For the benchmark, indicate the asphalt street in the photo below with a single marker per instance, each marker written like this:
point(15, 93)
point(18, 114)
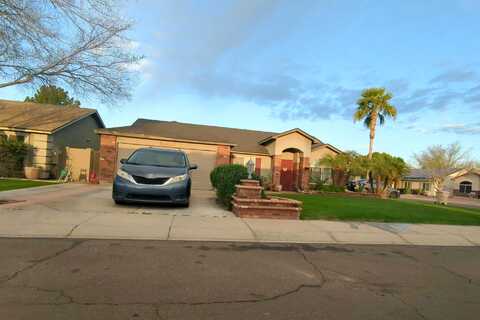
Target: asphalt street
point(125, 279)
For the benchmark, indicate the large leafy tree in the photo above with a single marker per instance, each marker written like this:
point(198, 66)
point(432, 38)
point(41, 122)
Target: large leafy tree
point(344, 165)
point(53, 95)
point(386, 170)
point(373, 108)
point(79, 44)
point(439, 161)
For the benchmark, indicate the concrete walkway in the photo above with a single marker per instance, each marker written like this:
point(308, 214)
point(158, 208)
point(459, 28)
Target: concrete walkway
point(82, 211)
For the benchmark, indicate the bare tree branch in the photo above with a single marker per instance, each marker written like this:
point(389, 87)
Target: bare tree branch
point(76, 43)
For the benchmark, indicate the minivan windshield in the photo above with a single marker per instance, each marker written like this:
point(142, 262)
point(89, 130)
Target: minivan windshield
point(159, 158)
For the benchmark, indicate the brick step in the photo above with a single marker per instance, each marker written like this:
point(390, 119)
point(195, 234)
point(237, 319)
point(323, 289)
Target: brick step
point(246, 182)
point(273, 202)
point(266, 212)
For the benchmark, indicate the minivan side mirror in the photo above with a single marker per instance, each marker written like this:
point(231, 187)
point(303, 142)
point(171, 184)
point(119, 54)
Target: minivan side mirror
point(193, 167)
point(123, 161)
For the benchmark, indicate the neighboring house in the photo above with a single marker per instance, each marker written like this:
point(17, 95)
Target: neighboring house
point(49, 129)
point(283, 158)
point(461, 182)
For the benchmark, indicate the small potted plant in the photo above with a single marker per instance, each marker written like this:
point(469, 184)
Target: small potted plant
point(32, 172)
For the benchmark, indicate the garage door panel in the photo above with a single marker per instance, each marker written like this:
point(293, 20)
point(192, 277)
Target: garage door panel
point(205, 160)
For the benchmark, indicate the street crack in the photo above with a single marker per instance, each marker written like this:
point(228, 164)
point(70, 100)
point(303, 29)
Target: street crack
point(35, 263)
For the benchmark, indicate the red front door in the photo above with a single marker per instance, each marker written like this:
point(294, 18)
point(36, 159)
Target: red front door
point(286, 175)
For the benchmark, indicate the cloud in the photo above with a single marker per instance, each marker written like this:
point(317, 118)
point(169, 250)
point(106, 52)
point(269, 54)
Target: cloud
point(472, 95)
point(461, 129)
point(224, 51)
point(398, 86)
point(453, 76)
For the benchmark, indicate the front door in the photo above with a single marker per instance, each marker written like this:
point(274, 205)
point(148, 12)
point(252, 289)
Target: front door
point(286, 175)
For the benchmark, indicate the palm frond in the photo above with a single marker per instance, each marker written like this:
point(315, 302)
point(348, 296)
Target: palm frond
point(367, 121)
point(381, 119)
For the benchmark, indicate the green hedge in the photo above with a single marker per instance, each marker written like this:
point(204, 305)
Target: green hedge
point(225, 177)
point(329, 188)
point(12, 157)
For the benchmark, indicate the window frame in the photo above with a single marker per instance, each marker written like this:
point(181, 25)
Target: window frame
point(465, 187)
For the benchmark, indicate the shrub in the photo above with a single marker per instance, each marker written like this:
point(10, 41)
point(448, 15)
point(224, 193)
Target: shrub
point(408, 190)
point(330, 188)
point(12, 157)
point(224, 178)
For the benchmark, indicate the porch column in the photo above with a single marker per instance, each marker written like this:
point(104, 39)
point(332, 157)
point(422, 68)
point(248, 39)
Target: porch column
point(223, 155)
point(108, 158)
point(276, 169)
point(258, 166)
point(295, 171)
point(304, 173)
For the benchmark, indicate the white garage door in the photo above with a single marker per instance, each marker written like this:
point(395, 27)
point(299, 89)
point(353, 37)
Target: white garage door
point(205, 160)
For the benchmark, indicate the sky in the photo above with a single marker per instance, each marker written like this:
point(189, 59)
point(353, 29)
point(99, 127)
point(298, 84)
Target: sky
point(275, 65)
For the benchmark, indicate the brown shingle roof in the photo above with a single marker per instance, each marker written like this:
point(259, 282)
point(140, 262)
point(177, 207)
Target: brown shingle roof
point(40, 117)
point(242, 139)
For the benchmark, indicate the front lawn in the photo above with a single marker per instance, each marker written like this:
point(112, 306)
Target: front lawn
point(340, 207)
point(11, 184)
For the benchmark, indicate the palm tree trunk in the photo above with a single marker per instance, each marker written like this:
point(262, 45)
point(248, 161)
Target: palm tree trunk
point(373, 126)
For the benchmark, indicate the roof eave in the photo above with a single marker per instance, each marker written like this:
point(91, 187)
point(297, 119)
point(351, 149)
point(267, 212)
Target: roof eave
point(252, 153)
point(144, 136)
point(298, 130)
point(327, 145)
point(25, 130)
point(93, 112)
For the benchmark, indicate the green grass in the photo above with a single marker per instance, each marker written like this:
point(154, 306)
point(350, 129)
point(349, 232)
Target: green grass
point(12, 184)
point(338, 207)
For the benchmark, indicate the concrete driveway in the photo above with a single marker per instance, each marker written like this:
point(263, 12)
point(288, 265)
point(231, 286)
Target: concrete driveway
point(87, 199)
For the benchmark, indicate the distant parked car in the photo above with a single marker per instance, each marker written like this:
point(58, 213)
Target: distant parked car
point(154, 175)
point(356, 185)
point(394, 193)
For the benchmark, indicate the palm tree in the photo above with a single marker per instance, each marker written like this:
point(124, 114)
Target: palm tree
point(374, 106)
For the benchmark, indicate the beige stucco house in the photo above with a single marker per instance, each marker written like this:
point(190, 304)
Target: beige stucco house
point(460, 182)
point(49, 129)
point(285, 159)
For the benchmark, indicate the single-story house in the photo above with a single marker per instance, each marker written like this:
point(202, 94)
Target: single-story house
point(49, 129)
point(282, 158)
point(461, 182)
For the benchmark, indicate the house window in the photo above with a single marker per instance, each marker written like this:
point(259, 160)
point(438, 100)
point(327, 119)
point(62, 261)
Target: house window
point(3, 137)
point(326, 174)
point(20, 138)
point(426, 186)
point(465, 187)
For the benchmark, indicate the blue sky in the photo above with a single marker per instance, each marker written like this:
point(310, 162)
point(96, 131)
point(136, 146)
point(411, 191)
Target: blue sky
point(273, 65)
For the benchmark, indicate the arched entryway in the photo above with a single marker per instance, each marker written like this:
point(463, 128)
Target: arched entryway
point(290, 172)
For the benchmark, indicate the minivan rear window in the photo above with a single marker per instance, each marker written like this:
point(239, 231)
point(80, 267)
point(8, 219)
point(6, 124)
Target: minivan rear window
point(157, 158)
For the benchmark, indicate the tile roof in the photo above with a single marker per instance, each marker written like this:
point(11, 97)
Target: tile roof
point(422, 174)
point(242, 139)
point(40, 117)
